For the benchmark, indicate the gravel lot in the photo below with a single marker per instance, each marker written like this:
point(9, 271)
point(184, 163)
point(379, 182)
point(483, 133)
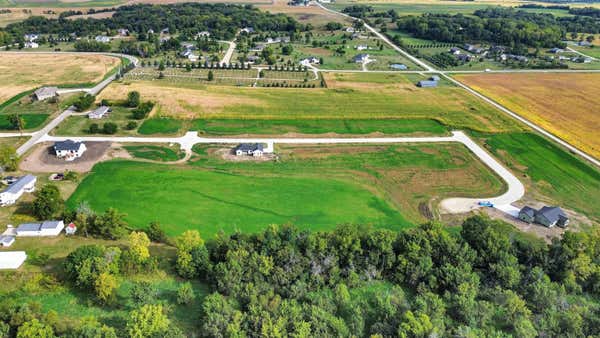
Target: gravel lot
point(42, 159)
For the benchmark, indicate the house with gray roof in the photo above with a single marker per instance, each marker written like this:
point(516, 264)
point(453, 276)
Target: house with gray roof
point(527, 214)
point(6, 241)
point(551, 216)
point(250, 149)
point(13, 192)
point(69, 150)
point(45, 93)
point(45, 228)
point(360, 58)
point(547, 216)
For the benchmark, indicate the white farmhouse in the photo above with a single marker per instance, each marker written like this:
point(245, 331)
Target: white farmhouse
point(69, 150)
point(12, 193)
point(46, 228)
point(12, 259)
point(98, 113)
point(31, 44)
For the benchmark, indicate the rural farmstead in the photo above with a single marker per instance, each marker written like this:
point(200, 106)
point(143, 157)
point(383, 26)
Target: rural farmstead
point(343, 168)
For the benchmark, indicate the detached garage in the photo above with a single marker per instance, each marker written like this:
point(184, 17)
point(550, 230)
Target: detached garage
point(12, 259)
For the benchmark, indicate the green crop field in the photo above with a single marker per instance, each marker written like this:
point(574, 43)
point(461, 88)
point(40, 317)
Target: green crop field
point(552, 172)
point(311, 187)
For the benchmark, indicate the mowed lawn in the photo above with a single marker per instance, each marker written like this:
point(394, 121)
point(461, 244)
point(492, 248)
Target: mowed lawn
point(20, 72)
point(312, 187)
point(554, 175)
point(357, 97)
point(564, 104)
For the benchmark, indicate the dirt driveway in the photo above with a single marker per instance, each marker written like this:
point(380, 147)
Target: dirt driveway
point(43, 160)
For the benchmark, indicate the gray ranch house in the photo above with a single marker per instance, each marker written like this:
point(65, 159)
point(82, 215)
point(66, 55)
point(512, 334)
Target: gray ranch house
point(547, 216)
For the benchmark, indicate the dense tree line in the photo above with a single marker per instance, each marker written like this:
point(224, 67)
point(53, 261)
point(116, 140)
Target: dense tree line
point(586, 11)
point(222, 20)
point(502, 26)
point(484, 282)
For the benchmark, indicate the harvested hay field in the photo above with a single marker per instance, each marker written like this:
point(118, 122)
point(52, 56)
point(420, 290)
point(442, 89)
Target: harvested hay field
point(564, 104)
point(50, 69)
point(449, 105)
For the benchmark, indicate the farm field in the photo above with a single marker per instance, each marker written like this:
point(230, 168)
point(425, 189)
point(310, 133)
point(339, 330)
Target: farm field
point(560, 103)
point(552, 175)
point(50, 69)
point(348, 96)
point(311, 187)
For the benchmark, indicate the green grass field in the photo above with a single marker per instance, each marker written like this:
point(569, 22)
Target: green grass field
point(314, 188)
point(341, 126)
point(555, 174)
point(160, 125)
point(154, 153)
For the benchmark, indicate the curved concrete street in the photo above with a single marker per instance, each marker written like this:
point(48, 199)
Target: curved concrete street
point(515, 191)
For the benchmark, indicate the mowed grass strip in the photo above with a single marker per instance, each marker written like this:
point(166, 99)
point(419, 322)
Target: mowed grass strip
point(306, 126)
point(154, 153)
point(397, 98)
point(564, 104)
point(554, 173)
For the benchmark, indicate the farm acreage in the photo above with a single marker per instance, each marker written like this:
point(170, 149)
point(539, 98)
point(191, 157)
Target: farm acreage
point(564, 104)
point(348, 97)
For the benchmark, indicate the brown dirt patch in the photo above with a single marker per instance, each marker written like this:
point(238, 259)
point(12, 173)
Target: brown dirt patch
point(564, 104)
point(183, 103)
point(43, 160)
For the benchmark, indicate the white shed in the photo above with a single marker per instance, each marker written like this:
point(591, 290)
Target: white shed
point(46, 228)
point(12, 259)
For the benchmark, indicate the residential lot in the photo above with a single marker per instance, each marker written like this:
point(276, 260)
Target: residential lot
point(312, 187)
point(561, 103)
